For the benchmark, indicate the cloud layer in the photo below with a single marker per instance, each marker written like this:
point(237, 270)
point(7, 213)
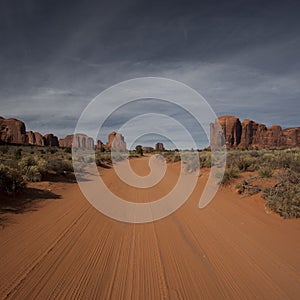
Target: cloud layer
point(56, 56)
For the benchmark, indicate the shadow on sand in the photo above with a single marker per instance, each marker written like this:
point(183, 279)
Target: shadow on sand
point(65, 178)
point(27, 200)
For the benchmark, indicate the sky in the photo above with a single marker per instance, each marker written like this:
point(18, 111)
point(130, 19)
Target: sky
point(56, 56)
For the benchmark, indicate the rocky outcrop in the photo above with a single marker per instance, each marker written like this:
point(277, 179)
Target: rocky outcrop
point(273, 137)
point(35, 138)
point(292, 137)
point(100, 146)
point(228, 131)
point(232, 130)
point(249, 129)
point(66, 141)
point(217, 139)
point(12, 131)
point(115, 142)
point(77, 141)
point(51, 140)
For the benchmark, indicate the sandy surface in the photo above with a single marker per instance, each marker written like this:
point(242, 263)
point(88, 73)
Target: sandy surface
point(65, 249)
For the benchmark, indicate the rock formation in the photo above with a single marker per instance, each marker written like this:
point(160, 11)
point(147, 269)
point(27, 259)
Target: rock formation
point(35, 138)
point(230, 132)
point(115, 142)
point(66, 141)
point(100, 146)
point(51, 140)
point(292, 137)
point(77, 141)
point(159, 147)
point(12, 131)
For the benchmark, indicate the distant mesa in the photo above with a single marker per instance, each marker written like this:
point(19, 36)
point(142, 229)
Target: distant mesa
point(78, 140)
point(116, 142)
point(229, 131)
point(226, 131)
point(159, 147)
point(13, 131)
point(35, 138)
point(51, 140)
point(147, 149)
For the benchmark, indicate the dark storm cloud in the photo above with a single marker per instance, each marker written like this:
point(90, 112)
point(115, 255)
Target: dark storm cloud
point(56, 56)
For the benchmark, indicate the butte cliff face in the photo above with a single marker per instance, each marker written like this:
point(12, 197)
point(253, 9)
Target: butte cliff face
point(51, 140)
point(13, 131)
point(35, 138)
point(77, 141)
point(116, 142)
point(100, 146)
point(251, 134)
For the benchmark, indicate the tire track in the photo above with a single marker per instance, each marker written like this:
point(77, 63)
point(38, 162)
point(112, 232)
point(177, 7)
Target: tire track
point(18, 281)
point(229, 250)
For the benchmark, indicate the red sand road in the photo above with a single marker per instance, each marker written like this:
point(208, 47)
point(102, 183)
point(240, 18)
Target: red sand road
point(66, 249)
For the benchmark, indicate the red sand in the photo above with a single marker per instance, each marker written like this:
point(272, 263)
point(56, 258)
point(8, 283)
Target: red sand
point(232, 249)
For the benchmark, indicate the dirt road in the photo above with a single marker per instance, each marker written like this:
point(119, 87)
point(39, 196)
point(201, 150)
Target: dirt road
point(66, 249)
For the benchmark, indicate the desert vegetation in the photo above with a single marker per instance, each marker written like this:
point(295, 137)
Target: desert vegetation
point(273, 172)
point(22, 164)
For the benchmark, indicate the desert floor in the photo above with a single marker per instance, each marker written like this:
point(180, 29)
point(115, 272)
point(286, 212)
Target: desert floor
point(60, 247)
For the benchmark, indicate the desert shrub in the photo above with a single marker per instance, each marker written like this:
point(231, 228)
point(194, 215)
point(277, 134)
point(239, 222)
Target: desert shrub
point(246, 187)
point(52, 150)
point(90, 159)
point(168, 156)
point(229, 176)
point(133, 154)
point(4, 149)
point(245, 164)
point(18, 154)
point(11, 180)
point(205, 160)
point(284, 197)
point(68, 150)
point(172, 156)
point(102, 164)
point(33, 174)
point(176, 157)
point(284, 160)
point(105, 157)
point(118, 156)
point(265, 172)
point(190, 159)
point(60, 166)
point(295, 165)
point(32, 168)
point(219, 159)
point(139, 150)
point(254, 153)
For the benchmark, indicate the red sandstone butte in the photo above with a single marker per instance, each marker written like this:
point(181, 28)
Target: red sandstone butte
point(77, 141)
point(249, 133)
point(116, 142)
point(12, 131)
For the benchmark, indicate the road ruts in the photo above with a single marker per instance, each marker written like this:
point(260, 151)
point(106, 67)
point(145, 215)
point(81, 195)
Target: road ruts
point(232, 249)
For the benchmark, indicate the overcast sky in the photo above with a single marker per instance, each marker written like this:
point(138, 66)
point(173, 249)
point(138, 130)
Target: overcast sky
point(57, 55)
